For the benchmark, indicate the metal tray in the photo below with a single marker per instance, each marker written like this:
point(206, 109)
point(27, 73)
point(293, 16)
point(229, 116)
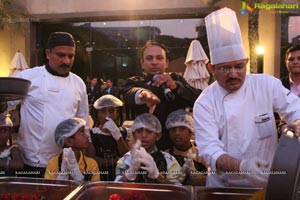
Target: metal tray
point(284, 181)
point(102, 191)
point(226, 193)
point(12, 88)
point(50, 188)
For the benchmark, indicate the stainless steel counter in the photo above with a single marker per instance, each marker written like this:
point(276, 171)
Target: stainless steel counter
point(49, 188)
point(72, 190)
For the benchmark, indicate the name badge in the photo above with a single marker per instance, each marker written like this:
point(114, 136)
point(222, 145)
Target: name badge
point(52, 89)
point(262, 118)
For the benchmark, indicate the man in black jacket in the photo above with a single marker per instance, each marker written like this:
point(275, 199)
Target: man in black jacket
point(94, 92)
point(111, 89)
point(147, 93)
point(114, 90)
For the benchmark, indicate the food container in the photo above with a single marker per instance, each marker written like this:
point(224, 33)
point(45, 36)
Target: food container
point(12, 88)
point(226, 193)
point(49, 188)
point(102, 191)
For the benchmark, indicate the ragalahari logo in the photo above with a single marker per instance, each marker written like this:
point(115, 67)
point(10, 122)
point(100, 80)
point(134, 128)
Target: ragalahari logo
point(246, 8)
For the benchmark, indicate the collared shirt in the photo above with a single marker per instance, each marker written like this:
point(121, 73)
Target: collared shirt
point(241, 123)
point(295, 88)
point(50, 100)
point(52, 170)
point(108, 90)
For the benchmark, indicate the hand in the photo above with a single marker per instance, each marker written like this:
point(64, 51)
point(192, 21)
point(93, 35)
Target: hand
point(135, 147)
point(64, 172)
point(131, 173)
point(164, 79)
point(188, 166)
point(64, 165)
point(252, 170)
point(5, 153)
point(149, 164)
point(112, 128)
point(73, 166)
point(294, 127)
point(150, 99)
point(68, 154)
point(136, 156)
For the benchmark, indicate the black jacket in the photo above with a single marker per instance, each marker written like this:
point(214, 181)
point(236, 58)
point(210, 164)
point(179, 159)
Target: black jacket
point(185, 96)
point(94, 94)
point(113, 91)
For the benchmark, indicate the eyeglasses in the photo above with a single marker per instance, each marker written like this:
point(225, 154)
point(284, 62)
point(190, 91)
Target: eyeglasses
point(228, 69)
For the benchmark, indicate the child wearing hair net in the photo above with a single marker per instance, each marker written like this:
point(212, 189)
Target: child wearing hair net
point(144, 163)
point(180, 125)
point(110, 142)
point(72, 164)
point(10, 155)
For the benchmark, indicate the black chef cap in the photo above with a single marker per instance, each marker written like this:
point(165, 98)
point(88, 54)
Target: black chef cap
point(60, 39)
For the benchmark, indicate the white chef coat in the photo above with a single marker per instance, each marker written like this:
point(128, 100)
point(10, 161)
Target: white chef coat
point(50, 100)
point(241, 123)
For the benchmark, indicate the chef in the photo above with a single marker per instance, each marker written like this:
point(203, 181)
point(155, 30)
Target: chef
point(55, 94)
point(234, 123)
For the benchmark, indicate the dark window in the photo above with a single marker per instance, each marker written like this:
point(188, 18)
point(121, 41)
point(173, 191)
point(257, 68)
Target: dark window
point(111, 49)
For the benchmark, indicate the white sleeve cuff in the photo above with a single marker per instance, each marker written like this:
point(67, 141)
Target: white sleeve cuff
point(118, 178)
point(214, 159)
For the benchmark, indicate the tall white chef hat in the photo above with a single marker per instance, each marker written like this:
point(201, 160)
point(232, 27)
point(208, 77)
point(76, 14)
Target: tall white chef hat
point(224, 36)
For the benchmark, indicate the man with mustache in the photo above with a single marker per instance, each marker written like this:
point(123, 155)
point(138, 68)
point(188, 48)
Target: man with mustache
point(55, 94)
point(146, 94)
point(234, 123)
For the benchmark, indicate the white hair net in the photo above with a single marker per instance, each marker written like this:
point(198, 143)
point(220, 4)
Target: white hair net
point(107, 101)
point(66, 129)
point(180, 118)
point(147, 121)
point(5, 120)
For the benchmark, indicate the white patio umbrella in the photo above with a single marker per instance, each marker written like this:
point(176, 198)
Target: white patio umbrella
point(17, 64)
point(196, 73)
